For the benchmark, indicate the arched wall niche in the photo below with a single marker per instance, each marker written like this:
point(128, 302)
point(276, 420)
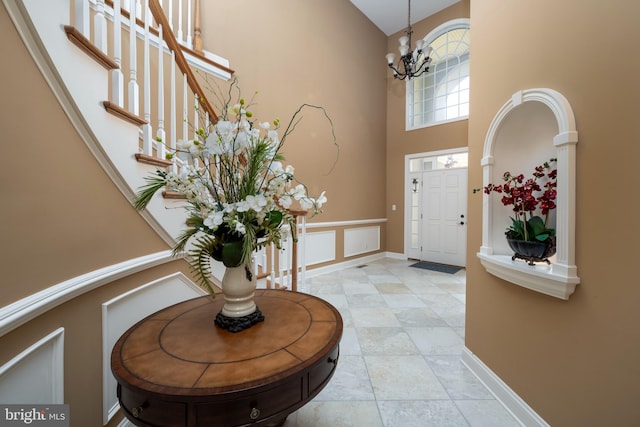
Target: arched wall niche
point(531, 127)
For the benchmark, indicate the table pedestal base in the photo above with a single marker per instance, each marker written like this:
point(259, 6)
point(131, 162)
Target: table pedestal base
point(237, 324)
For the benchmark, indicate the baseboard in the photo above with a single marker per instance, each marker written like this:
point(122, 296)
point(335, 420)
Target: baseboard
point(522, 412)
point(125, 423)
point(345, 264)
point(396, 255)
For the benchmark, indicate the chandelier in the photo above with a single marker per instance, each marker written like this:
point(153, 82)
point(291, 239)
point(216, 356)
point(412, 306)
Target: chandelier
point(411, 63)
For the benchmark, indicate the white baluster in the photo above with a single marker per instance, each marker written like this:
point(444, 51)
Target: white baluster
point(100, 27)
point(285, 264)
point(117, 78)
point(281, 269)
point(147, 132)
point(185, 113)
point(171, 14)
point(172, 113)
point(133, 89)
point(179, 35)
point(195, 117)
point(189, 25)
point(82, 23)
point(138, 9)
point(272, 275)
point(161, 135)
point(302, 239)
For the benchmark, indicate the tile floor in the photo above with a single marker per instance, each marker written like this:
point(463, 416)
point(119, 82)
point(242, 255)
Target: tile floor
point(400, 353)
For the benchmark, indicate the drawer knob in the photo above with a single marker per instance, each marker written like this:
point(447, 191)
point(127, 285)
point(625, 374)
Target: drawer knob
point(136, 411)
point(255, 413)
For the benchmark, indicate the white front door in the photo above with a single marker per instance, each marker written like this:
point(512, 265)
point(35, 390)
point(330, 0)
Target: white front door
point(444, 216)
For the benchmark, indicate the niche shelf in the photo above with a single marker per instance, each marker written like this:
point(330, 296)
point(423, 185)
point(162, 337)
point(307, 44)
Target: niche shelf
point(532, 126)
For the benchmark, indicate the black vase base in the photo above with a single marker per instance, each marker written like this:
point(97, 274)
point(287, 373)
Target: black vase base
point(237, 324)
point(531, 260)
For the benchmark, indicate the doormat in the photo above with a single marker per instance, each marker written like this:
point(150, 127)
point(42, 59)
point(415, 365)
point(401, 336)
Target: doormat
point(442, 268)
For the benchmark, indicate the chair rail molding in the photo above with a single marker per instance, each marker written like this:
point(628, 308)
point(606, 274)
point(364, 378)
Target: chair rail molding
point(28, 308)
point(560, 278)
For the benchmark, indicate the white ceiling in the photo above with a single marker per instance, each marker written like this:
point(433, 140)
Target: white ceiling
point(391, 15)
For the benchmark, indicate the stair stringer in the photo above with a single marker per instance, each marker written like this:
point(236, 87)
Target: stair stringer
point(81, 85)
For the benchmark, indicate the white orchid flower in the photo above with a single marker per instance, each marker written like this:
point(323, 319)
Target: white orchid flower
point(256, 202)
point(214, 219)
point(322, 199)
point(299, 192)
point(276, 168)
point(273, 137)
point(285, 201)
point(240, 228)
point(242, 206)
point(306, 203)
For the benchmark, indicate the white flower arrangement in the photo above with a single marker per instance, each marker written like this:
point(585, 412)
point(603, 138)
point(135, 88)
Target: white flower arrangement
point(239, 192)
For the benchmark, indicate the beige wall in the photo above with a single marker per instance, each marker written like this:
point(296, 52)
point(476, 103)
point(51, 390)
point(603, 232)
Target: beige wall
point(575, 362)
point(325, 53)
point(399, 141)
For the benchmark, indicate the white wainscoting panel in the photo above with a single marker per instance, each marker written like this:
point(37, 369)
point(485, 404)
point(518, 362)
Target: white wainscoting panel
point(122, 312)
point(36, 375)
point(320, 246)
point(361, 240)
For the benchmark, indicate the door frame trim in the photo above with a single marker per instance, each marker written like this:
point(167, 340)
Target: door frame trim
point(407, 188)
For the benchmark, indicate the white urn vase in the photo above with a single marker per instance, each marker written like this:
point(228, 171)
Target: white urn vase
point(239, 311)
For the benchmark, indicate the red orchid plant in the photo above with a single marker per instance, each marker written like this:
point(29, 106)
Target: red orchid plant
point(526, 196)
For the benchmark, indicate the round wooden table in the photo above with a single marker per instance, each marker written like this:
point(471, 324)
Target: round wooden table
point(176, 368)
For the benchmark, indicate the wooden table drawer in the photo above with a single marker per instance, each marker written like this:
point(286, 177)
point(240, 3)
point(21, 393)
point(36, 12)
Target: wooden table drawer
point(251, 408)
point(150, 411)
point(320, 373)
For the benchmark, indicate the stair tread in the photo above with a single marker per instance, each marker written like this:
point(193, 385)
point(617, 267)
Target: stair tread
point(77, 38)
point(145, 158)
point(118, 111)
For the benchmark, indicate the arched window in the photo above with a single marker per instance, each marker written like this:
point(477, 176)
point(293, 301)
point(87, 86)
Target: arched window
point(442, 94)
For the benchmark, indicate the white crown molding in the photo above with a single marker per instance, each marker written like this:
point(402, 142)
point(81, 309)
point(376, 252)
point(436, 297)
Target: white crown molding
point(26, 309)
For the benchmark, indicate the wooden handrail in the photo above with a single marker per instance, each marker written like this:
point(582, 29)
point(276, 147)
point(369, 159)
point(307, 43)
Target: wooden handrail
point(197, 50)
point(172, 43)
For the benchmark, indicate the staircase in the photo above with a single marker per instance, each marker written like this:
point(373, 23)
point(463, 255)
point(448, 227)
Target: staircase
point(125, 92)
